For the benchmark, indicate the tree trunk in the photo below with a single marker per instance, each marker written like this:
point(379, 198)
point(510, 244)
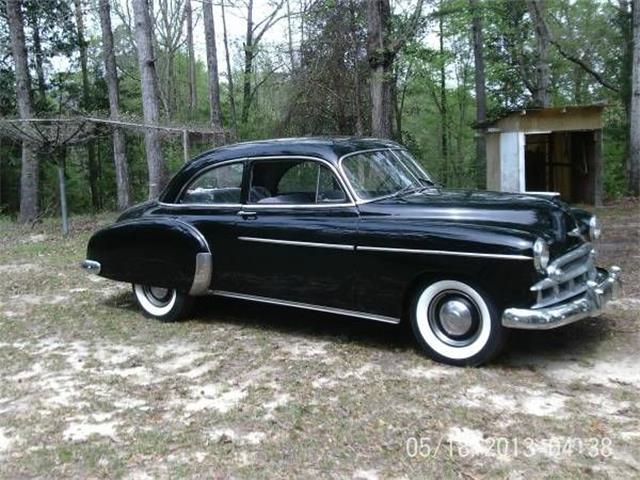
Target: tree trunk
point(232, 100)
point(481, 95)
point(150, 99)
point(444, 111)
point(212, 65)
point(111, 77)
point(537, 10)
point(248, 64)
point(193, 96)
point(96, 200)
point(29, 171)
point(396, 113)
point(356, 75)
point(634, 123)
point(380, 61)
point(38, 58)
point(290, 37)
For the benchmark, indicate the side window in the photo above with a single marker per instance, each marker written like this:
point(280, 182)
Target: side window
point(300, 178)
point(219, 185)
point(294, 182)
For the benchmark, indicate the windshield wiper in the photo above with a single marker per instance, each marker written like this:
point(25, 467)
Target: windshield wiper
point(406, 190)
point(427, 181)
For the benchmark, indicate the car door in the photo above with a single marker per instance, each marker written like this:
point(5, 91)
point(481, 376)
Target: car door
point(297, 234)
point(211, 201)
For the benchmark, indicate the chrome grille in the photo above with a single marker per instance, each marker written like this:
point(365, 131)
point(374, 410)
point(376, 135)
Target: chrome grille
point(567, 276)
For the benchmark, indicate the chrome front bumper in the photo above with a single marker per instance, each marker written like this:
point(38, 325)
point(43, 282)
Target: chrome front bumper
point(606, 287)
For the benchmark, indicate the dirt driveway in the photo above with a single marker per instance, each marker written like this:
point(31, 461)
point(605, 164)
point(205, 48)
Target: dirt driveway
point(90, 388)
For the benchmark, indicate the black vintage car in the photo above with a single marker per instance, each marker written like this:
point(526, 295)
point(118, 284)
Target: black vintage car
point(357, 227)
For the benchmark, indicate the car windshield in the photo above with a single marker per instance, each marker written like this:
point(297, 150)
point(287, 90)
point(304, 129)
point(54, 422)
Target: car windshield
point(384, 172)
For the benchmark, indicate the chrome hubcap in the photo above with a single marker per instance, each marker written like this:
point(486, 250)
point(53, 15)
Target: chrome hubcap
point(158, 292)
point(455, 317)
point(158, 296)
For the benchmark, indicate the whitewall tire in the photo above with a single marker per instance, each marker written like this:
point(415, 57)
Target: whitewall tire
point(456, 323)
point(164, 304)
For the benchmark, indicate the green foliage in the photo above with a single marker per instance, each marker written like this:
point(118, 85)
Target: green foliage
point(326, 90)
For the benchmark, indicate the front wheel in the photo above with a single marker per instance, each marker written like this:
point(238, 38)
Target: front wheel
point(455, 323)
point(164, 304)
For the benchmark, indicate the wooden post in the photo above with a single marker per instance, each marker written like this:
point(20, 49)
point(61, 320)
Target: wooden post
point(63, 193)
point(185, 145)
point(597, 171)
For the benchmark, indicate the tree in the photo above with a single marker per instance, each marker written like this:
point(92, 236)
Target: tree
point(253, 37)
point(444, 110)
point(52, 33)
point(86, 104)
point(212, 65)
point(382, 48)
point(32, 16)
point(634, 121)
point(193, 96)
point(167, 32)
point(111, 77)
point(480, 90)
point(325, 88)
point(355, 46)
point(158, 173)
point(29, 166)
point(537, 10)
point(232, 99)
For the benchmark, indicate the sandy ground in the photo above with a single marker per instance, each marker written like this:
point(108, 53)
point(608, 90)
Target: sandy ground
point(90, 388)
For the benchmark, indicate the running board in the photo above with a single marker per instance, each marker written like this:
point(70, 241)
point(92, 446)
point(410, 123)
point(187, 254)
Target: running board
point(307, 306)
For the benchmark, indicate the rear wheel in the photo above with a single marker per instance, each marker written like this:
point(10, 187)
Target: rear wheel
point(164, 304)
point(456, 323)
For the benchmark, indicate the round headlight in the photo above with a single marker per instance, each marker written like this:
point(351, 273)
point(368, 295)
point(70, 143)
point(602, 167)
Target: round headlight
point(540, 255)
point(594, 228)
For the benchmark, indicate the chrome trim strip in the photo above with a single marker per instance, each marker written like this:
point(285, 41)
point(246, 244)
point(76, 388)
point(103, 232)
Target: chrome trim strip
point(91, 266)
point(201, 205)
point(342, 246)
point(276, 206)
point(502, 256)
point(256, 205)
point(337, 246)
point(202, 275)
point(307, 306)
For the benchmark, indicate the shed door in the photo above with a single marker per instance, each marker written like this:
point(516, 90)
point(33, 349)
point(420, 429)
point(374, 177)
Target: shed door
point(562, 162)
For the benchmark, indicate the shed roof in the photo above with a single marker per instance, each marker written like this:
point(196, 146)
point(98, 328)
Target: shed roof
point(569, 117)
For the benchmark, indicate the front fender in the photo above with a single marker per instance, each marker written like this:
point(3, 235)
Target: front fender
point(162, 252)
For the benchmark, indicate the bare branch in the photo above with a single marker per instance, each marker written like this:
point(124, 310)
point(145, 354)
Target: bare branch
point(410, 31)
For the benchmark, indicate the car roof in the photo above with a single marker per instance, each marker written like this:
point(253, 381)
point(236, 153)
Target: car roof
point(328, 148)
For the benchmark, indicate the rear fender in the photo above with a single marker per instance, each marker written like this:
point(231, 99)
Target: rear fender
point(162, 252)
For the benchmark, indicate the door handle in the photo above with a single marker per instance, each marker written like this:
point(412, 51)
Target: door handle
point(247, 214)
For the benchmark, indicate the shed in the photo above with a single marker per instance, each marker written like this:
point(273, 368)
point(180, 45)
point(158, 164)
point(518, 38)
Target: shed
point(547, 150)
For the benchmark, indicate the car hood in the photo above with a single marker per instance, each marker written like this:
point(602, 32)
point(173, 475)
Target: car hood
point(545, 217)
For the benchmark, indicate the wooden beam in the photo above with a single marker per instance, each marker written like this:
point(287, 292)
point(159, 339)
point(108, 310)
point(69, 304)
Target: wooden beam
point(597, 163)
point(185, 145)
